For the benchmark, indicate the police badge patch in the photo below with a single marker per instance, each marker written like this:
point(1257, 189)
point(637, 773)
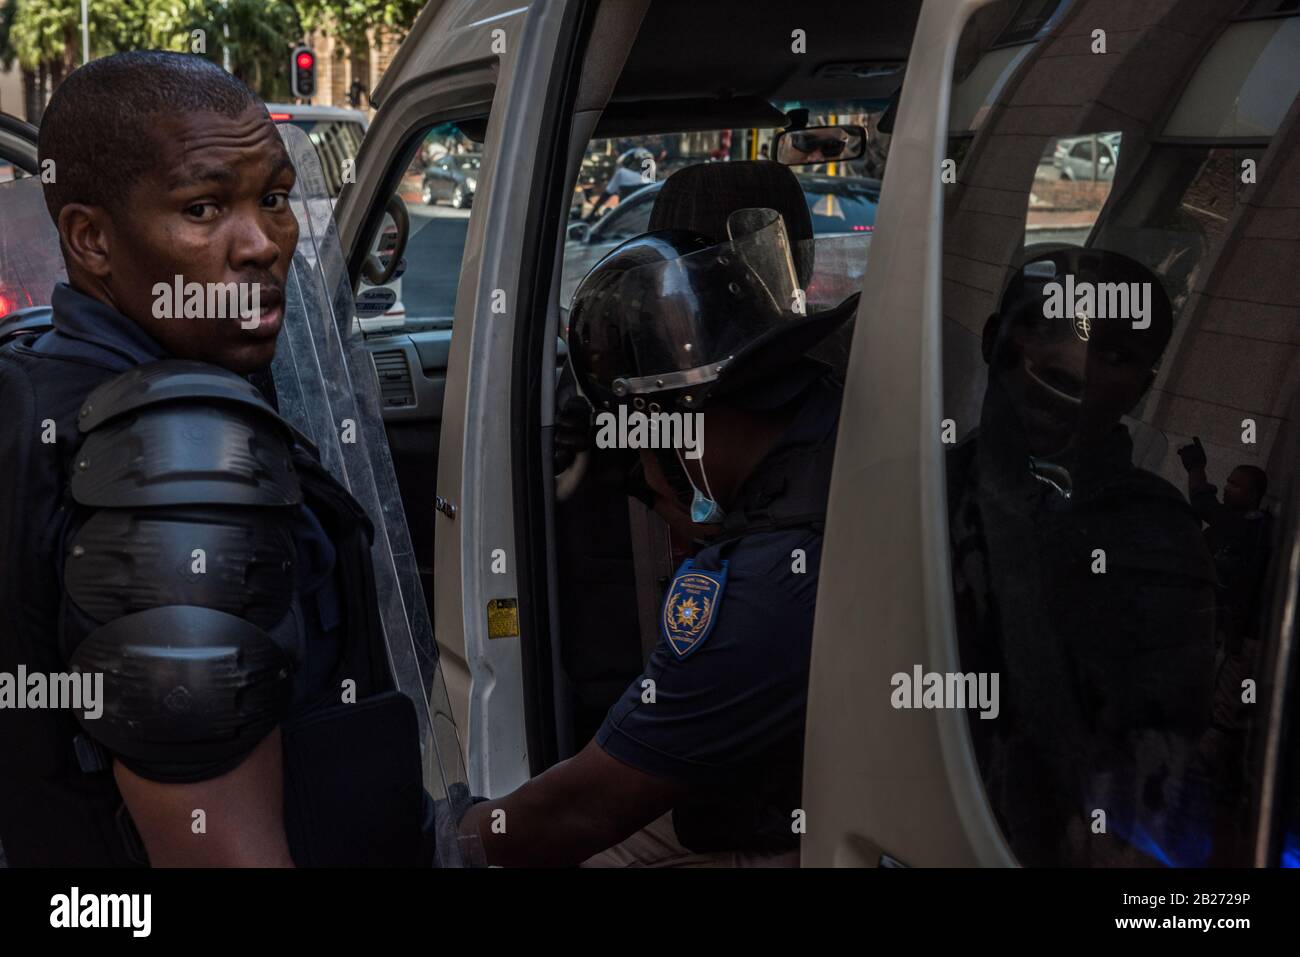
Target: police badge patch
point(691, 608)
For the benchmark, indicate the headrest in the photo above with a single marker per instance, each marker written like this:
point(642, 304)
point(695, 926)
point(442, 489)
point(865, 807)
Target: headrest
point(701, 197)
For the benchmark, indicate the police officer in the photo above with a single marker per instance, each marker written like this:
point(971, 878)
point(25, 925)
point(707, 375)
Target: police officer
point(678, 321)
point(1082, 580)
point(1237, 533)
point(169, 533)
point(635, 168)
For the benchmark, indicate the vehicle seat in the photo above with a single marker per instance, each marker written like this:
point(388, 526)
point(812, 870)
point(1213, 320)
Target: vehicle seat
point(701, 197)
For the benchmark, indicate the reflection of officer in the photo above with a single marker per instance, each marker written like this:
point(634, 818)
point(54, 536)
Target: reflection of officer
point(636, 168)
point(1238, 535)
point(713, 729)
point(172, 534)
point(1106, 669)
point(1237, 532)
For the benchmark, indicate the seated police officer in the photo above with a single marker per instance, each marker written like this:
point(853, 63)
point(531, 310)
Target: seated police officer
point(170, 532)
point(678, 322)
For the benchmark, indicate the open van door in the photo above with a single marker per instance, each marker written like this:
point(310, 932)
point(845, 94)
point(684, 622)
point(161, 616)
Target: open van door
point(479, 79)
point(1145, 706)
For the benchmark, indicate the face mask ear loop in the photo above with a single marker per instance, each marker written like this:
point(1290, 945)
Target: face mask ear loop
point(703, 474)
point(685, 470)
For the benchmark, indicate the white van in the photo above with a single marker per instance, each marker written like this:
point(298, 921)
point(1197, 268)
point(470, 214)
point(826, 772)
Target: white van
point(1079, 588)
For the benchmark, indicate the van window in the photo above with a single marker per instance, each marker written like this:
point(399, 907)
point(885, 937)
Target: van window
point(438, 189)
point(614, 197)
point(1240, 88)
point(1121, 362)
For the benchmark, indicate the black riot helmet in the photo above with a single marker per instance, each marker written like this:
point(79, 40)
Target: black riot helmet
point(635, 159)
point(671, 317)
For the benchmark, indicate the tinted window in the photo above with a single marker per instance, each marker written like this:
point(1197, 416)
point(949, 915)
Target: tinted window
point(1120, 378)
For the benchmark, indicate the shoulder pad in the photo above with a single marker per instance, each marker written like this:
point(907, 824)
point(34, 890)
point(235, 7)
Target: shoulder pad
point(236, 560)
point(187, 692)
point(182, 433)
point(168, 380)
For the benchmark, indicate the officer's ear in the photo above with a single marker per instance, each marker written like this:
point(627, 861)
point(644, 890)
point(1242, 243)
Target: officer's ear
point(989, 340)
point(83, 237)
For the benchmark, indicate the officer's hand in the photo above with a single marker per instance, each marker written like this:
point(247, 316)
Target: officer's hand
point(1193, 455)
point(456, 849)
point(572, 428)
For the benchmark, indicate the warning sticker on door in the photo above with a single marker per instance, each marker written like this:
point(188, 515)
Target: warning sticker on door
point(503, 618)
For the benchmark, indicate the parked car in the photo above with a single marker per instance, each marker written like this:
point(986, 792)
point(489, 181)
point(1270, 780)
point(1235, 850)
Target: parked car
point(335, 132)
point(453, 177)
point(1074, 157)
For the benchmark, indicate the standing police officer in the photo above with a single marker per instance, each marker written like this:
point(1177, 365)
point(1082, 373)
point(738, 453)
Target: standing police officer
point(176, 536)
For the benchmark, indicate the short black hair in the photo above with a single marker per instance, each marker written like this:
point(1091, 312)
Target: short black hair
point(99, 125)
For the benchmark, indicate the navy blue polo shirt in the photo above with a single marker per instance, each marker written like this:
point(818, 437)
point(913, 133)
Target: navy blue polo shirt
point(728, 719)
point(86, 328)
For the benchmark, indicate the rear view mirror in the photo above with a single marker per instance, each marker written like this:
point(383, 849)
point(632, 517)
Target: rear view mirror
point(820, 144)
point(578, 232)
point(379, 269)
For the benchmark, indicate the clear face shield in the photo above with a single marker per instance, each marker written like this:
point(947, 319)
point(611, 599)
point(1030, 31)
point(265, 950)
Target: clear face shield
point(685, 319)
point(326, 389)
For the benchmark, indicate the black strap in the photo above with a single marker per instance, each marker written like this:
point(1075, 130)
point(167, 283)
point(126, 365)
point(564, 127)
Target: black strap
point(789, 492)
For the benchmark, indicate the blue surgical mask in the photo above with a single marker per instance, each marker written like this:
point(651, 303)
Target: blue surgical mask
point(704, 509)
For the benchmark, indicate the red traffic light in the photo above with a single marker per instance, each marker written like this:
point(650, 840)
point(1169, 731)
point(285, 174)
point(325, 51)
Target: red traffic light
point(302, 72)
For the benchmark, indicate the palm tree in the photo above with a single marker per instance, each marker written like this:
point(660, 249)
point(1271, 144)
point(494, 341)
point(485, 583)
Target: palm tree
point(260, 36)
point(45, 37)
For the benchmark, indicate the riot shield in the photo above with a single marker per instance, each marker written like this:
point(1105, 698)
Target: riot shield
point(326, 387)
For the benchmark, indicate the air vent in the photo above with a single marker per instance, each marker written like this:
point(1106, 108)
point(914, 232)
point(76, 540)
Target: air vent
point(394, 374)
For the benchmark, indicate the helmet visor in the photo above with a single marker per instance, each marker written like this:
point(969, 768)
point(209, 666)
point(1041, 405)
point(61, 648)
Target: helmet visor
point(684, 319)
